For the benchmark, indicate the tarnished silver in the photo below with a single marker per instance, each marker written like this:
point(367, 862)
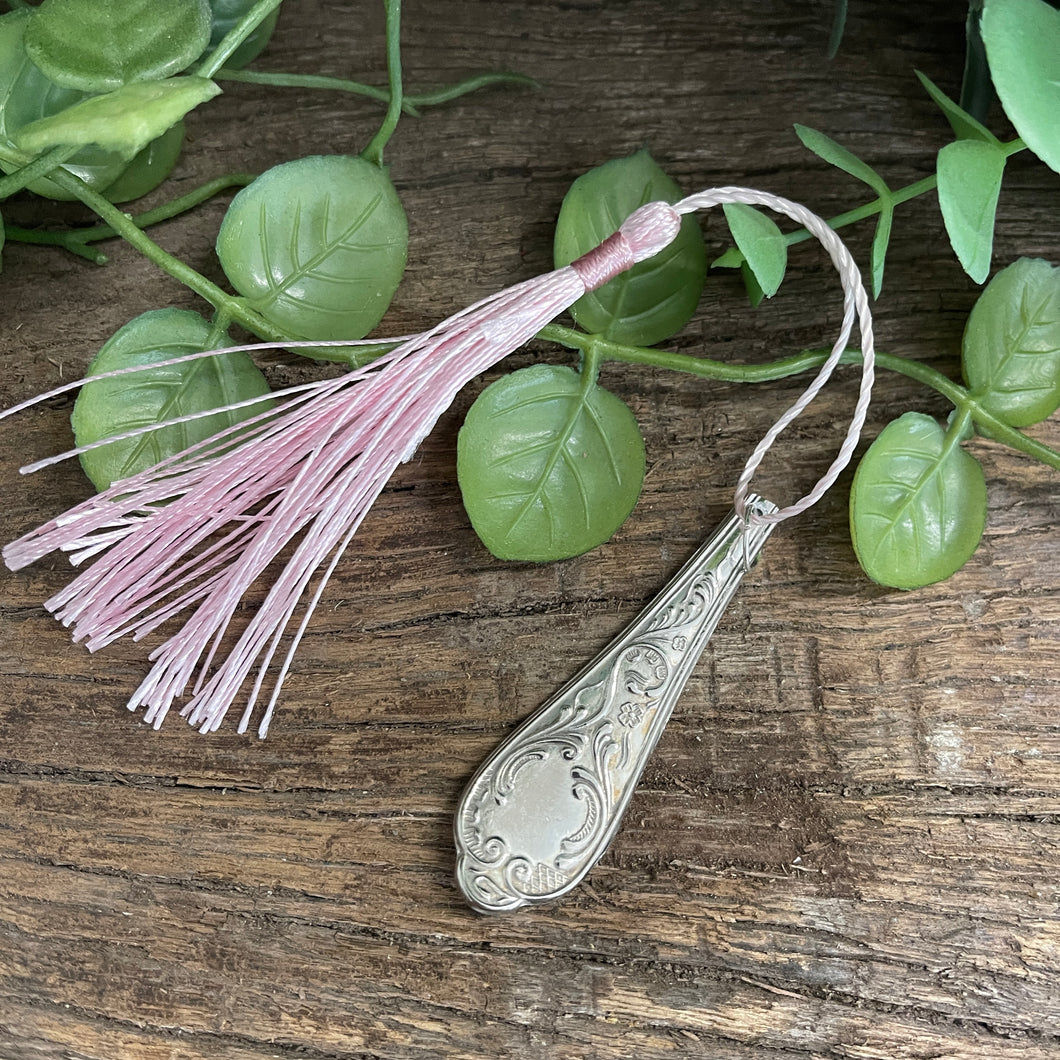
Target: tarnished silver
point(544, 806)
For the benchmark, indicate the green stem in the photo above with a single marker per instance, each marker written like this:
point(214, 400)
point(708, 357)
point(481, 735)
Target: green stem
point(870, 209)
point(235, 37)
point(1002, 432)
point(706, 368)
point(374, 151)
point(39, 167)
point(412, 103)
point(125, 227)
point(469, 84)
point(175, 207)
point(592, 358)
point(75, 240)
point(312, 81)
point(219, 326)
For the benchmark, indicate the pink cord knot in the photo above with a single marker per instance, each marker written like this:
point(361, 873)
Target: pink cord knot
point(642, 235)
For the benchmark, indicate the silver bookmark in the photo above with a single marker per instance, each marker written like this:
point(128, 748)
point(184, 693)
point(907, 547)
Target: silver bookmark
point(543, 808)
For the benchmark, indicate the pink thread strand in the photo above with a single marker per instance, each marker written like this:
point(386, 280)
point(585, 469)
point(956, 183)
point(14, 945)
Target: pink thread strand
point(193, 534)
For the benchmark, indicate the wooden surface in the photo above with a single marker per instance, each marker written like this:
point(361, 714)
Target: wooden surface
point(848, 842)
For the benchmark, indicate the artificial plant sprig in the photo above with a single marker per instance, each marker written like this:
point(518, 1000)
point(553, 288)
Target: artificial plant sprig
point(1022, 47)
point(314, 247)
point(936, 508)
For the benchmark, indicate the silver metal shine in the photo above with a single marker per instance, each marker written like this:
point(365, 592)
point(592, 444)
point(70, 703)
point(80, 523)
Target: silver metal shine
point(544, 807)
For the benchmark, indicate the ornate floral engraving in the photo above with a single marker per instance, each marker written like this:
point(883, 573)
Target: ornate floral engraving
point(542, 810)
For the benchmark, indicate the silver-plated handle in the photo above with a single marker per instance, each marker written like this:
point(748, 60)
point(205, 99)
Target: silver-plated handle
point(543, 808)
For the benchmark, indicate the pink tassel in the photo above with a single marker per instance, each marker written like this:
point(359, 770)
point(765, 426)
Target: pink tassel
point(198, 530)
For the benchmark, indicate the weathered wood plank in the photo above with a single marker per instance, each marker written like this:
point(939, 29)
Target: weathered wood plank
point(846, 845)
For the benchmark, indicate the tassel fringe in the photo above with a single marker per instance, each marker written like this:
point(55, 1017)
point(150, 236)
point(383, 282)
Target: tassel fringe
point(191, 535)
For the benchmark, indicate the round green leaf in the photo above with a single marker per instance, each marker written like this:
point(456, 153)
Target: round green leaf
point(124, 121)
point(918, 504)
point(549, 464)
point(317, 246)
point(654, 299)
point(969, 182)
point(1022, 39)
point(1011, 349)
point(100, 45)
point(26, 95)
point(150, 167)
point(110, 406)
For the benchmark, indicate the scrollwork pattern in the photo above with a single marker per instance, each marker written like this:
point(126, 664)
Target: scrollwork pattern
point(542, 810)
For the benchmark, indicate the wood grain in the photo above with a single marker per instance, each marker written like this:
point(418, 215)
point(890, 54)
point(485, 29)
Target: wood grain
point(848, 842)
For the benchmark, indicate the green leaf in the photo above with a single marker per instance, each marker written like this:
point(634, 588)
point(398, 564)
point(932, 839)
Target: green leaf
point(839, 25)
point(100, 45)
point(317, 246)
point(150, 167)
point(1011, 351)
point(732, 259)
point(880, 242)
point(1022, 39)
point(917, 505)
point(969, 182)
point(110, 406)
point(549, 464)
point(124, 121)
point(762, 244)
point(25, 95)
point(963, 124)
point(836, 155)
point(656, 298)
point(755, 294)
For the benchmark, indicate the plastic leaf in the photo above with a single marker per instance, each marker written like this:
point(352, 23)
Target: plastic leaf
point(835, 154)
point(549, 464)
point(150, 167)
point(110, 406)
point(961, 122)
point(732, 259)
point(969, 182)
point(755, 294)
point(880, 242)
point(1022, 39)
point(653, 300)
point(762, 244)
point(917, 505)
point(124, 121)
point(100, 45)
point(317, 246)
point(1011, 352)
point(839, 25)
point(26, 95)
